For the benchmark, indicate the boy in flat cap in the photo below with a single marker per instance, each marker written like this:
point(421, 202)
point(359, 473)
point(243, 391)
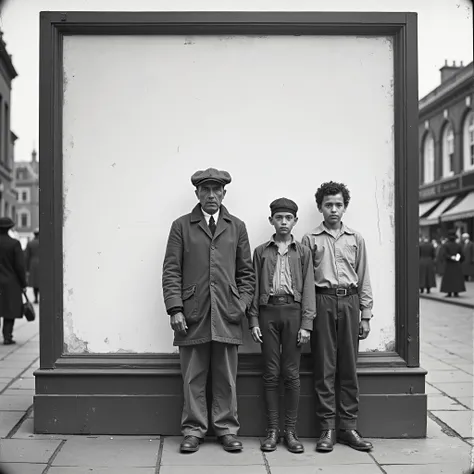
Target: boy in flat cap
point(282, 313)
point(208, 284)
point(344, 308)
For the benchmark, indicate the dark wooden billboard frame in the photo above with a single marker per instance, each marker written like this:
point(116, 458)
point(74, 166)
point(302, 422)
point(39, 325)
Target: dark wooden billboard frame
point(141, 393)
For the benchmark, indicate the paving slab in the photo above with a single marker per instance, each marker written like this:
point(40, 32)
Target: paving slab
point(8, 419)
point(454, 468)
point(339, 456)
point(422, 451)
point(456, 389)
point(106, 453)
point(9, 372)
point(13, 364)
point(22, 468)
point(339, 469)
point(26, 431)
point(211, 453)
point(27, 451)
point(467, 401)
point(435, 376)
point(459, 421)
point(260, 469)
point(101, 470)
point(15, 403)
point(23, 384)
point(442, 402)
point(16, 392)
point(429, 389)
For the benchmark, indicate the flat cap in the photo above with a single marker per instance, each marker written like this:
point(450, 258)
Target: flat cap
point(211, 174)
point(283, 205)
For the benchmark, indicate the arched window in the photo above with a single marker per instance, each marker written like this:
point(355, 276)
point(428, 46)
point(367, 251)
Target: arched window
point(428, 159)
point(468, 141)
point(448, 151)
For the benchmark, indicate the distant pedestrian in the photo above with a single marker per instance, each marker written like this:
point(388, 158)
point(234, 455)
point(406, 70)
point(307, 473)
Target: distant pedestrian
point(32, 264)
point(453, 279)
point(12, 279)
point(439, 261)
point(468, 252)
point(427, 265)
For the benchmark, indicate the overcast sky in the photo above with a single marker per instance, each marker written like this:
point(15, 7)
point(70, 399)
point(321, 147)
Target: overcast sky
point(444, 32)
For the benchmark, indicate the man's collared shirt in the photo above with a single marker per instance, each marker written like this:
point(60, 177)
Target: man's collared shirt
point(341, 262)
point(282, 283)
point(208, 216)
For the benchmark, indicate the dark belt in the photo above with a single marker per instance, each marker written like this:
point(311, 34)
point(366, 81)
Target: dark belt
point(281, 299)
point(336, 291)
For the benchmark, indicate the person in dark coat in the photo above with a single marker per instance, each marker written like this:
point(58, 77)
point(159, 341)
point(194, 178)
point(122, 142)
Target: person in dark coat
point(453, 279)
point(32, 264)
point(12, 280)
point(208, 285)
point(468, 252)
point(427, 265)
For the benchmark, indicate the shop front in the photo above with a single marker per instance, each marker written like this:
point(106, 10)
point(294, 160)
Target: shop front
point(131, 105)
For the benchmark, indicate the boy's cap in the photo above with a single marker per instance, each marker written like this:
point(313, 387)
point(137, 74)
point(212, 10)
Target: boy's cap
point(211, 174)
point(283, 205)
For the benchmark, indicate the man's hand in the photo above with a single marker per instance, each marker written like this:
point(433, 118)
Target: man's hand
point(303, 336)
point(364, 328)
point(178, 323)
point(256, 334)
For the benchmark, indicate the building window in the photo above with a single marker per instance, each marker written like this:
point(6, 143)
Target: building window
point(23, 219)
point(7, 209)
point(428, 159)
point(468, 141)
point(23, 195)
point(448, 151)
point(20, 174)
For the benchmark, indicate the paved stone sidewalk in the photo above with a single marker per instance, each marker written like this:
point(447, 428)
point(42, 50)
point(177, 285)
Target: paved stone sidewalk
point(446, 351)
point(464, 299)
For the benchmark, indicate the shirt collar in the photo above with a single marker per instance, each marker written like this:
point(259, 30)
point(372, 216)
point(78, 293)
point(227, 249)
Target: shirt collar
point(322, 228)
point(273, 242)
point(208, 216)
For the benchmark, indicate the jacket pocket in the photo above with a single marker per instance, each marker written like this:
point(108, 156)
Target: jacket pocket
point(190, 305)
point(235, 307)
point(350, 251)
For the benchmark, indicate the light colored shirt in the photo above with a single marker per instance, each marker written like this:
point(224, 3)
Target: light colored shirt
point(208, 216)
point(341, 262)
point(282, 283)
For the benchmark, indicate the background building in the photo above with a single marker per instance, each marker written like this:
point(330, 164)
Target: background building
point(7, 138)
point(446, 144)
point(27, 187)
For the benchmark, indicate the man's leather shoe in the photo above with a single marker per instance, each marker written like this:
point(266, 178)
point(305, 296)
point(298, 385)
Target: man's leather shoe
point(231, 443)
point(190, 444)
point(271, 441)
point(8, 342)
point(292, 442)
point(326, 441)
point(353, 439)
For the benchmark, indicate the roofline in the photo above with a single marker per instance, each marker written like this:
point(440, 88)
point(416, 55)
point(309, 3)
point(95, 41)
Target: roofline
point(7, 58)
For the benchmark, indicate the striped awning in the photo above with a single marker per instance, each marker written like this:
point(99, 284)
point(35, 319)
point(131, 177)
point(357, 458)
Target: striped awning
point(434, 216)
point(464, 209)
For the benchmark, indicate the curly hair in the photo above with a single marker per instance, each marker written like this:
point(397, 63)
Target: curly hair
point(332, 188)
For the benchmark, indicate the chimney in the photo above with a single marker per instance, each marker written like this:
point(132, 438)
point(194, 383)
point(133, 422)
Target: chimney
point(33, 156)
point(449, 71)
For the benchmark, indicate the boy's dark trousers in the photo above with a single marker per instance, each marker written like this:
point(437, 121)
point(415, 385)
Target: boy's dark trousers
point(334, 346)
point(279, 324)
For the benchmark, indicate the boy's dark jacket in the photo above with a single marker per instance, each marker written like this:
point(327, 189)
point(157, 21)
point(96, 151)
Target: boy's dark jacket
point(302, 276)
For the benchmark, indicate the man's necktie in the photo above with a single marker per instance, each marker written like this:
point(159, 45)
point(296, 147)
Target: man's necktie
point(212, 225)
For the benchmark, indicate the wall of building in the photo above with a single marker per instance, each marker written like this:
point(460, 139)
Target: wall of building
point(258, 107)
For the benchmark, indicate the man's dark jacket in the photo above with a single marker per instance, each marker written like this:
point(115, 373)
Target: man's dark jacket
point(212, 278)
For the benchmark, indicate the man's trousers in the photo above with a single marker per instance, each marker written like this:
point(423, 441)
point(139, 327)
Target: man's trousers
point(335, 346)
point(196, 361)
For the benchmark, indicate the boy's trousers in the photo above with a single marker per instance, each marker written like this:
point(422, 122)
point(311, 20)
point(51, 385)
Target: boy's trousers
point(335, 346)
point(196, 361)
point(279, 325)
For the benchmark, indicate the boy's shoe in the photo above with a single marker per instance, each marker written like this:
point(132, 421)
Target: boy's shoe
point(353, 439)
point(292, 442)
point(190, 444)
point(326, 441)
point(270, 442)
point(8, 342)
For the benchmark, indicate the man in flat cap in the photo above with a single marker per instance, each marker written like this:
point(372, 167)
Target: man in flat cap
point(208, 284)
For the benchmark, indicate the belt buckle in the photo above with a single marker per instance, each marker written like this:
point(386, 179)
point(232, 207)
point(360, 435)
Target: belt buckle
point(281, 299)
point(341, 292)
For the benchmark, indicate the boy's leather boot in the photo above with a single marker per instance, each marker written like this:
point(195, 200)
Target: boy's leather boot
point(292, 442)
point(326, 441)
point(271, 441)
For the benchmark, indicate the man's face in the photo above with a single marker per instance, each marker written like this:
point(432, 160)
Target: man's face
point(210, 195)
point(332, 208)
point(283, 222)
